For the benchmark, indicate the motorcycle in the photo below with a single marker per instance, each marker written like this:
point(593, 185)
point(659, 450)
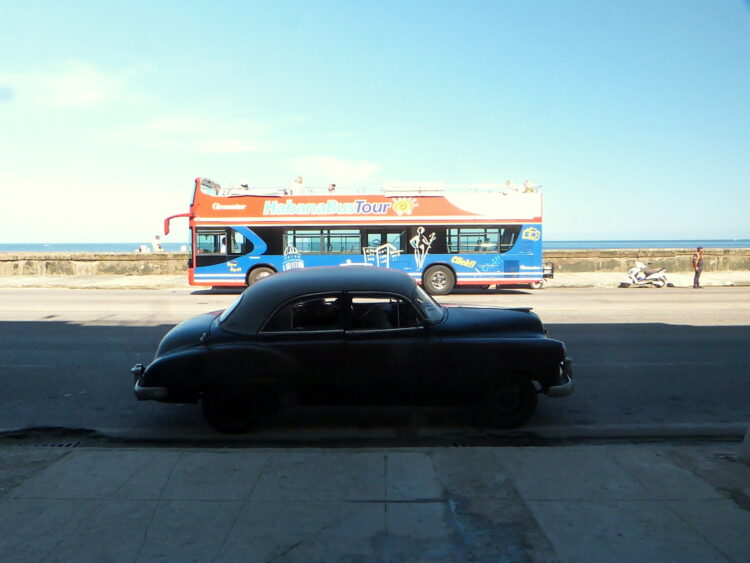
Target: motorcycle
point(642, 275)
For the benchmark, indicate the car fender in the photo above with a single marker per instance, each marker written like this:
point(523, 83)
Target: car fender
point(249, 365)
point(180, 370)
point(489, 357)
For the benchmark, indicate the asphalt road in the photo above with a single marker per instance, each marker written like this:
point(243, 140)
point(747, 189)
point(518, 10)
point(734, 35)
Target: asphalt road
point(648, 362)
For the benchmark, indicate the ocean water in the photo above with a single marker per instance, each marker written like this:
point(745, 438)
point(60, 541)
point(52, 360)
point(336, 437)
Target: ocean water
point(644, 244)
point(99, 247)
point(130, 247)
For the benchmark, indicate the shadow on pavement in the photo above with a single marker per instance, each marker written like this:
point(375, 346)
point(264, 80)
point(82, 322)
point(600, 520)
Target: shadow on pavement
point(502, 290)
point(218, 291)
point(68, 375)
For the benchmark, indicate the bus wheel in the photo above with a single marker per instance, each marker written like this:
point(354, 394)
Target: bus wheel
point(438, 280)
point(258, 274)
point(536, 285)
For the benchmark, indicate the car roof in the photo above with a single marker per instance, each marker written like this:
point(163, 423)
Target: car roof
point(260, 299)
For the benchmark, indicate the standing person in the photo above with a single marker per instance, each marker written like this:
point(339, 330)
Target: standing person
point(298, 186)
point(156, 244)
point(698, 267)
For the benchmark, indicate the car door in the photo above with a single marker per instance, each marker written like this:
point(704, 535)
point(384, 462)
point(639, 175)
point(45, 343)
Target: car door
point(308, 332)
point(391, 355)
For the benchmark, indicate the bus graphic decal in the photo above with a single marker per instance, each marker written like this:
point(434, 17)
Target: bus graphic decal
point(380, 256)
point(292, 259)
point(404, 205)
point(421, 245)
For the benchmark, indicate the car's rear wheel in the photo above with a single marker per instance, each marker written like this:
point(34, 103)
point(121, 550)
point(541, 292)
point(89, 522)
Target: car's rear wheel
point(510, 402)
point(439, 280)
point(230, 412)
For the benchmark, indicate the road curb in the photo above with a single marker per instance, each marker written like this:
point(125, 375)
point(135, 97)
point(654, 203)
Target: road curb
point(356, 437)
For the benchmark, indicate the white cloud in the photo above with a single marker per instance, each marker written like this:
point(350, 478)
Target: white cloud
point(227, 146)
point(332, 169)
point(77, 208)
point(415, 185)
point(74, 83)
point(176, 125)
point(210, 133)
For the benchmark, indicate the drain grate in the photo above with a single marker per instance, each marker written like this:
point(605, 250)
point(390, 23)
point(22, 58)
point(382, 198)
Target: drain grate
point(58, 445)
point(53, 445)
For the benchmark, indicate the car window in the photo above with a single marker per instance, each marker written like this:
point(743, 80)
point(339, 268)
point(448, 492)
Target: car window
point(311, 313)
point(228, 311)
point(382, 312)
point(430, 309)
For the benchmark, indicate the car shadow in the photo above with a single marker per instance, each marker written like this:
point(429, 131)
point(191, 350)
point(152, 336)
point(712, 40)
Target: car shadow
point(492, 290)
point(218, 291)
point(70, 375)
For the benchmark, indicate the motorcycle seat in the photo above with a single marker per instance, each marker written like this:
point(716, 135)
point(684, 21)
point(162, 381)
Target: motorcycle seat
point(652, 271)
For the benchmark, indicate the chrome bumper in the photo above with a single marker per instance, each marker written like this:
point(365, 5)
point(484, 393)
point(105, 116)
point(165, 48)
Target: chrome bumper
point(565, 388)
point(146, 393)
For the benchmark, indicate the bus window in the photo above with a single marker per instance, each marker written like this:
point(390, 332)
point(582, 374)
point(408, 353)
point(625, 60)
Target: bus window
point(343, 241)
point(482, 239)
point(376, 238)
point(211, 242)
point(324, 241)
point(239, 244)
point(306, 241)
point(509, 236)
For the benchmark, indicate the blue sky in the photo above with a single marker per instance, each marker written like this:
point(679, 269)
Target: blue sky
point(634, 116)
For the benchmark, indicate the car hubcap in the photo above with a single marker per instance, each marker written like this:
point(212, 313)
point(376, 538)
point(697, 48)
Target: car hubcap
point(507, 400)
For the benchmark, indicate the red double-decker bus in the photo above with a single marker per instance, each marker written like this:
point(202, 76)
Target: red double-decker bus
point(442, 238)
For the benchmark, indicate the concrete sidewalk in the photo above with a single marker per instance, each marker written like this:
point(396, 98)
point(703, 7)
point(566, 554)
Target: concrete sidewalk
point(578, 279)
point(626, 502)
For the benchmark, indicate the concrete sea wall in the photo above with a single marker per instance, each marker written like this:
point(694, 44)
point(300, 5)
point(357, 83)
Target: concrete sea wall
point(91, 264)
point(566, 261)
point(673, 259)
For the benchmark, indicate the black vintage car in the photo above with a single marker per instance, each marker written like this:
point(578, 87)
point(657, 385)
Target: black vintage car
point(354, 335)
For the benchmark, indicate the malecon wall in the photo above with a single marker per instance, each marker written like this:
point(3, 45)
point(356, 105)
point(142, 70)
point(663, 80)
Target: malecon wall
point(91, 264)
point(673, 259)
point(567, 261)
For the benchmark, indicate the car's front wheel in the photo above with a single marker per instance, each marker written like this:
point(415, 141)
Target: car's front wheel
point(230, 412)
point(510, 402)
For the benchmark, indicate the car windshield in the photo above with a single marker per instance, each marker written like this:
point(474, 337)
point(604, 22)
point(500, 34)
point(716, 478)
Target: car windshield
point(430, 309)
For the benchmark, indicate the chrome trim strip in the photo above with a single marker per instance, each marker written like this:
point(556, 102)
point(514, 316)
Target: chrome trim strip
point(566, 375)
point(150, 393)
